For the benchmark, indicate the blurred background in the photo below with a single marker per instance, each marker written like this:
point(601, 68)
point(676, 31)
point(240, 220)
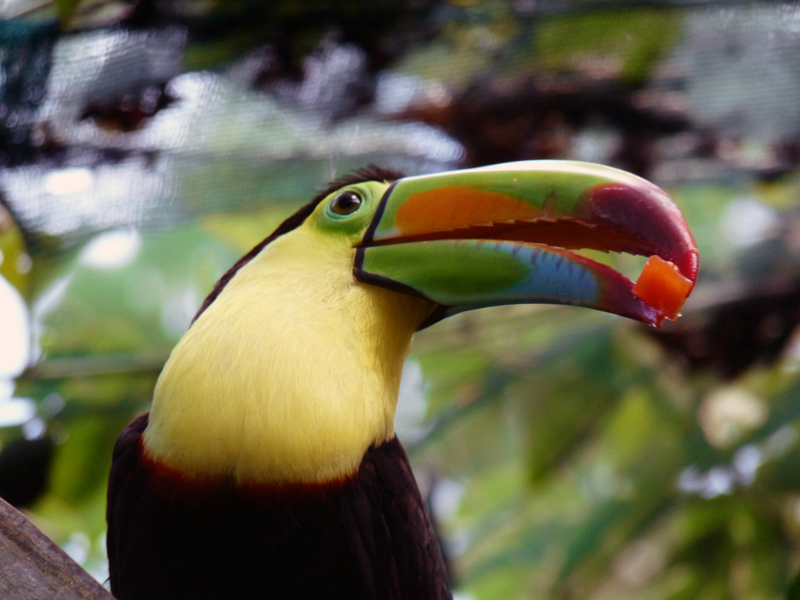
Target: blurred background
point(145, 145)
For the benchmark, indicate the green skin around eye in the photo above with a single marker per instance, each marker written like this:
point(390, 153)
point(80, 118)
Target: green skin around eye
point(355, 223)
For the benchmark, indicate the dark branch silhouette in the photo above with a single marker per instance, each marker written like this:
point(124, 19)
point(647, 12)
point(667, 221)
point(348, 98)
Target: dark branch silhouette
point(33, 567)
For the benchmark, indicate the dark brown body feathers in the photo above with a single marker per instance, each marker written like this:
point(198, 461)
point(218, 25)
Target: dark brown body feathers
point(366, 537)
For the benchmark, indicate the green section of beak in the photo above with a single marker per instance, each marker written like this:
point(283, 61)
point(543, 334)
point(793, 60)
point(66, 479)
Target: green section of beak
point(463, 272)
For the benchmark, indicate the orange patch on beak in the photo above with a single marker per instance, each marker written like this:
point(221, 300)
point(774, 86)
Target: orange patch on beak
point(457, 207)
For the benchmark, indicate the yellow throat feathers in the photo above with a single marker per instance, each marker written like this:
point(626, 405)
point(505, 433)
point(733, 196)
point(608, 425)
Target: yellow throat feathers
point(290, 375)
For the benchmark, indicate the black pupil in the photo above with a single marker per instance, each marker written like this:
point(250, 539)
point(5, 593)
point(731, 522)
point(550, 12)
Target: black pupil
point(346, 203)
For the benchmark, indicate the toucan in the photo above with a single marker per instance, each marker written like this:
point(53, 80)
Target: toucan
point(268, 465)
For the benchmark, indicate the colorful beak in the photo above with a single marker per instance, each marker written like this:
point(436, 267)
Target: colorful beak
point(504, 234)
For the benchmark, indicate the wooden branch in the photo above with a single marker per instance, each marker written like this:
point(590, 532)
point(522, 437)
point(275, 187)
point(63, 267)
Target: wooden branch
point(32, 567)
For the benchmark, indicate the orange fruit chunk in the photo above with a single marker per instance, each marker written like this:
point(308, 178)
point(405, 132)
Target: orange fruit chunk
point(663, 287)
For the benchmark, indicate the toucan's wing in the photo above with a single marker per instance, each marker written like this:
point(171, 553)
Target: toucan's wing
point(398, 527)
point(120, 489)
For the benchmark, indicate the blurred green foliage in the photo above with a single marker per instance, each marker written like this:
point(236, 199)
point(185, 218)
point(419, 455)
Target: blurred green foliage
point(630, 42)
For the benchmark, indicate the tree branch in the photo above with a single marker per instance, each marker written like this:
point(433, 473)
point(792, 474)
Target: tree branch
point(32, 567)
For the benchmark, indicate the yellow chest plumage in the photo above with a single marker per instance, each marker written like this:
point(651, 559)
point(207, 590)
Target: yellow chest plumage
point(290, 374)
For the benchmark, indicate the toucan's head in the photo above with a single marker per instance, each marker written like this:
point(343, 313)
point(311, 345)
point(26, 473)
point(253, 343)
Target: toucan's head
point(292, 366)
point(504, 234)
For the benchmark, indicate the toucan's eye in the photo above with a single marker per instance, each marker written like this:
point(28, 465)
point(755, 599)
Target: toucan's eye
point(346, 203)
